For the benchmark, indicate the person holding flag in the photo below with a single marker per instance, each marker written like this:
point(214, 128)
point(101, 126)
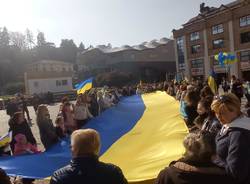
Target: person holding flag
point(84, 86)
point(5, 144)
point(212, 82)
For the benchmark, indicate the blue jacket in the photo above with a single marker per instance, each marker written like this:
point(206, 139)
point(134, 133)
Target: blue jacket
point(233, 149)
point(88, 170)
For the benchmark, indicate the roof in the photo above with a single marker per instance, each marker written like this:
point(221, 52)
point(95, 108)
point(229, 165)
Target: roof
point(48, 75)
point(212, 10)
point(50, 62)
point(233, 3)
point(143, 46)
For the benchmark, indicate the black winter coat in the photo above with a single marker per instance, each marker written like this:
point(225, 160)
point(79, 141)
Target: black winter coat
point(186, 172)
point(47, 133)
point(233, 149)
point(191, 115)
point(88, 170)
point(22, 128)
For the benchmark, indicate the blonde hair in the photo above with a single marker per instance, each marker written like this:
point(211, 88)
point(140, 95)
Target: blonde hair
point(227, 101)
point(85, 142)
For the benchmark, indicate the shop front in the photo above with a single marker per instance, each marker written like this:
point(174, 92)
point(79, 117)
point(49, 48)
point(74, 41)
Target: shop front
point(197, 69)
point(221, 71)
point(245, 64)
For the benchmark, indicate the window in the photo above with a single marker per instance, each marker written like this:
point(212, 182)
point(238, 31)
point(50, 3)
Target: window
point(217, 29)
point(180, 50)
point(245, 37)
point(197, 67)
point(182, 66)
point(180, 44)
point(198, 63)
point(245, 21)
point(194, 36)
point(36, 84)
point(64, 82)
point(245, 56)
point(58, 83)
point(218, 44)
point(195, 49)
point(153, 55)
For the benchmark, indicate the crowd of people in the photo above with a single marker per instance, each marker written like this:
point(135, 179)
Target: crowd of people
point(70, 117)
point(217, 147)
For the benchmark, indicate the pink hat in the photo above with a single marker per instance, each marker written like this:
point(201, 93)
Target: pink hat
point(20, 137)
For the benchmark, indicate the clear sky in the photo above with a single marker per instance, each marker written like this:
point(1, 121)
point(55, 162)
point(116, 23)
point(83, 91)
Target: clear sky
point(95, 22)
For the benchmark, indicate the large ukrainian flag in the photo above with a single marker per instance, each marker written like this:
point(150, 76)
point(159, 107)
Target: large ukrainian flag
point(142, 135)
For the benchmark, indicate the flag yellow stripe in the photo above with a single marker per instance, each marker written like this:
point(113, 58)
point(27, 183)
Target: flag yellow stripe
point(212, 84)
point(153, 143)
point(86, 87)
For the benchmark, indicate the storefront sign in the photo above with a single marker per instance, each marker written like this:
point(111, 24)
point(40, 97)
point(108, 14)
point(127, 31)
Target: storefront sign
point(197, 71)
point(245, 65)
point(219, 69)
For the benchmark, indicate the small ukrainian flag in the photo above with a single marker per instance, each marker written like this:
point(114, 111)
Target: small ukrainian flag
point(5, 139)
point(211, 82)
point(84, 86)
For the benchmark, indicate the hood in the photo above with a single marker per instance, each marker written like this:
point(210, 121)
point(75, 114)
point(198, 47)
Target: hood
point(241, 122)
point(202, 170)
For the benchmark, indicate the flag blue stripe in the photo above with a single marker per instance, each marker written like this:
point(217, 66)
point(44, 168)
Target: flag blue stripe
point(111, 124)
point(81, 84)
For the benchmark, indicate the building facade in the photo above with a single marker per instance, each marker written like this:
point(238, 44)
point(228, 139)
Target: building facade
point(214, 30)
point(48, 76)
point(150, 60)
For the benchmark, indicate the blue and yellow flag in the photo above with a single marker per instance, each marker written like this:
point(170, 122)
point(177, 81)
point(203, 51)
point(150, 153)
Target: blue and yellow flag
point(5, 139)
point(84, 86)
point(211, 82)
point(141, 134)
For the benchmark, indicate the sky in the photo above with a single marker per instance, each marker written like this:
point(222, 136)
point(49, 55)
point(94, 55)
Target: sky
point(97, 22)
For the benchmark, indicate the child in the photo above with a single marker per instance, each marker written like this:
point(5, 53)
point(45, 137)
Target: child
point(68, 116)
point(22, 146)
point(60, 129)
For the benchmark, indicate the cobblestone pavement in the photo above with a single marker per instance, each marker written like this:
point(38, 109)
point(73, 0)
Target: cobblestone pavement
point(4, 118)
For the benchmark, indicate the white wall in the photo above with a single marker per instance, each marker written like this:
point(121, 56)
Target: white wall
point(45, 85)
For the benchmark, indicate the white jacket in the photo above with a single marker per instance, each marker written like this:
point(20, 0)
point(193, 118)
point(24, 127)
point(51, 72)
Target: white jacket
point(82, 112)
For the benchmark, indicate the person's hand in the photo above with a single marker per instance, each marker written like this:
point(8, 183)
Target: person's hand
point(18, 180)
point(214, 157)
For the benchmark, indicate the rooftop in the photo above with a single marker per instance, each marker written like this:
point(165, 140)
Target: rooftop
point(206, 11)
point(50, 62)
point(145, 45)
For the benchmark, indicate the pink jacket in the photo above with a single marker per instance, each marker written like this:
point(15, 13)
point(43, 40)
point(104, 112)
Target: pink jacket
point(25, 149)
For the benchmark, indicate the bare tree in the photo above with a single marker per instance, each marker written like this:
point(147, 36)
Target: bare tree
point(18, 40)
point(29, 37)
